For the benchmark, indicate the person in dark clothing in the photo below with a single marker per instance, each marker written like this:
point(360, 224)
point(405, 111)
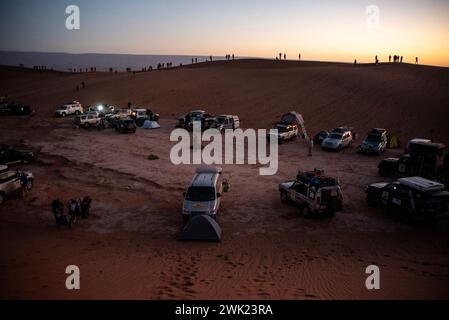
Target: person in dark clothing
point(73, 207)
point(389, 59)
point(83, 84)
point(58, 211)
point(85, 207)
point(24, 183)
point(402, 58)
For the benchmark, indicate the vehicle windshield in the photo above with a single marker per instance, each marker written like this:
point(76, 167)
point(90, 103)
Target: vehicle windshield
point(64, 108)
point(221, 120)
point(374, 138)
point(282, 128)
point(336, 136)
point(200, 194)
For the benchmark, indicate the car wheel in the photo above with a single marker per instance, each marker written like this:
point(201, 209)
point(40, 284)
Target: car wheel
point(63, 115)
point(2, 198)
point(77, 113)
point(371, 200)
point(284, 197)
point(384, 172)
point(306, 212)
point(339, 148)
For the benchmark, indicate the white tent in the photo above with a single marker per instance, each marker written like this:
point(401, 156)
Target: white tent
point(151, 125)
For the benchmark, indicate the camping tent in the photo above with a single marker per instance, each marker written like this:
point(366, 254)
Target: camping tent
point(151, 125)
point(201, 228)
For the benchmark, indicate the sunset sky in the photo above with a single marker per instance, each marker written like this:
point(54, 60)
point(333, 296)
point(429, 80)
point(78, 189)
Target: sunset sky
point(319, 30)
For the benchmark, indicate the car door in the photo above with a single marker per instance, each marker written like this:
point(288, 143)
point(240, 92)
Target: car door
point(12, 184)
point(346, 141)
point(219, 189)
point(386, 194)
point(298, 192)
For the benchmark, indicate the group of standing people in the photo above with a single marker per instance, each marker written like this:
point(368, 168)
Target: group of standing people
point(280, 56)
point(77, 209)
point(396, 59)
point(230, 57)
point(284, 55)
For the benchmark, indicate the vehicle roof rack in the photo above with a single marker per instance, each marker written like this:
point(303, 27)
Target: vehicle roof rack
point(421, 184)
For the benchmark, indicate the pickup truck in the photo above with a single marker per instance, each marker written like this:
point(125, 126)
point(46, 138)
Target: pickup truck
point(313, 193)
point(70, 108)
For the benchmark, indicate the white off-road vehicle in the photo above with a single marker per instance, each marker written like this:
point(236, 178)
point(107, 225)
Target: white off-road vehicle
point(70, 108)
point(87, 120)
point(10, 182)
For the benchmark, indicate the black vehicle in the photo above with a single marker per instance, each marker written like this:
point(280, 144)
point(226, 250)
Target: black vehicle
point(186, 121)
point(126, 126)
point(375, 143)
point(320, 137)
point(11, 156)
point(414, 197)
point(15, 109)
point(425, 159)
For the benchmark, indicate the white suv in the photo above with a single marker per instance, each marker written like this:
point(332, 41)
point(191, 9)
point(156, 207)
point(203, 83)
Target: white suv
point(203, 197)
point(70, 108)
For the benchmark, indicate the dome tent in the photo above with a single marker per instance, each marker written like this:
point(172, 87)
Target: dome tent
point(202, 228)
point(150, 125)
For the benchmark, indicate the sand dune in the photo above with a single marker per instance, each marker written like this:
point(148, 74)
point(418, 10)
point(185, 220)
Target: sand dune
point(406, 99)
point(128, 248)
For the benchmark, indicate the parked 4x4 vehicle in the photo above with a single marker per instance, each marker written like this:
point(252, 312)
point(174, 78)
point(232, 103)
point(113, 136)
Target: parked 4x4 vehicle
point(286, 132)
point(126, 126)
point(15, 109)
point(226, 122)
point(102, 109)
point(376, 142)
point(70, 108)
point(313, 192)
point(10, 182)
point(86, 121)
point(424, 159)
point(320, 137)
point(203, 197)
point(11, 156)
point(415, 197)
point(339, 139)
